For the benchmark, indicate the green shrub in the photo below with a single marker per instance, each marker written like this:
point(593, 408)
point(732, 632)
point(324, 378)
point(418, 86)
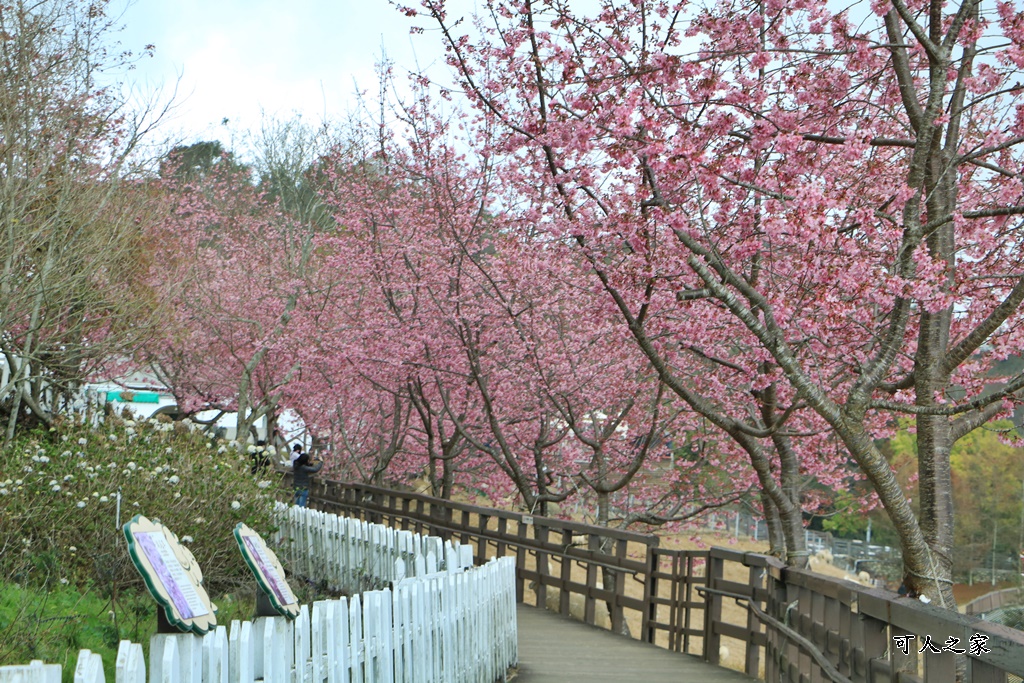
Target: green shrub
point(59, 518)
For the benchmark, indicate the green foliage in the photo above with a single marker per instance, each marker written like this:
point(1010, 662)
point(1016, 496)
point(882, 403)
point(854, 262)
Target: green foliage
point(196, 161)
point(59, 491)
point(988, 492)
point(54, 624)
point(987, 495)
point(849, 519)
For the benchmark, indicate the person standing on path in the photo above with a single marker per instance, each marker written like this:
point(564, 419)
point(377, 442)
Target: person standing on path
point(296, 452)
point(303, 468)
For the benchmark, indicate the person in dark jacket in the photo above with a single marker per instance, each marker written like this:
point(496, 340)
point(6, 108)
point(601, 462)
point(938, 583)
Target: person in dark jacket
point(260, 459)
point(303, 468)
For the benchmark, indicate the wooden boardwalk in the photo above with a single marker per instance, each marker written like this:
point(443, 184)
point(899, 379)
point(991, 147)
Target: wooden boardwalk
point(553, 649)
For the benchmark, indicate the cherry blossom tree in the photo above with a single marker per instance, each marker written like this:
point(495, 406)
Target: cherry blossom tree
point(501, 352)
point(242, 289)
point(415, 222)
point(819, 202)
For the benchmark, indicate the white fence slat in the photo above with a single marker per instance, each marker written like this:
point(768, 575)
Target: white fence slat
point(189, 648)
point(434, 614)
point(33, 672)
point(319, 642)
point(387, 642)
point(89, 668)
point(371, 636)
point(301, 630)
point(241, 653)
point(464, 659)
point(424, 643)
point(258, 643)
point(276, 648)
point(374, 552)
point(451, 558)
point(163, 659)
point(130, 666)
point(402, 631)
point(333, 577)
point(466, 556)
point(341, 650)
point(422, 647)
point(447, 628)
point(357, 649)
point(436, 546)
point(215, 656)
point(431, 562)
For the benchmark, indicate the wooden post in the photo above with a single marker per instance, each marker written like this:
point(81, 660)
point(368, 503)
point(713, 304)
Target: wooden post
point(650, 614)
point(589, 603)
point(688, 614)
point(501, 548)
point(752, 660)
point(540, 532)
point(713, 611)
point(566, 578)
point(481, 542)
point(618, 617)
point(521, 563)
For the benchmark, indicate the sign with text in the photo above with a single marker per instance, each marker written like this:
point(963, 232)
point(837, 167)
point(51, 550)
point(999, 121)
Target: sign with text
point(171, 574)
point(268, 571)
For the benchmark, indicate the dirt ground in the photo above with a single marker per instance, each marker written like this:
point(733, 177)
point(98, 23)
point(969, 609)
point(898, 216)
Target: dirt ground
point(965, 593)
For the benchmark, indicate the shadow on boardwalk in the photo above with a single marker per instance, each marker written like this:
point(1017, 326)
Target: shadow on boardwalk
point(553, 649)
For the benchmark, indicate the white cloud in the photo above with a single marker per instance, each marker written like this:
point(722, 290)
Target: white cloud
point(236, 57)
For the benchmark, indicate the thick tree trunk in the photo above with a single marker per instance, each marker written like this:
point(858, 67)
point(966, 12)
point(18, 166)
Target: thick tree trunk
point(447, 479)
point(776, 541)
point(542, 482)
point(935, 440)
point(435, 482)
point(791, 516)
point(936, 503)
point(607, 545)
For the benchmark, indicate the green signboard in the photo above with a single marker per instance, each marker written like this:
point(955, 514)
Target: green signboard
point(268, 571)
point(172, 575)
point(133, 396)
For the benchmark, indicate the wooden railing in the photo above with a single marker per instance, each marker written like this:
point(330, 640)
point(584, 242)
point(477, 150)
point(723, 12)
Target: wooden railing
point(1008, 597)
point(742, 609)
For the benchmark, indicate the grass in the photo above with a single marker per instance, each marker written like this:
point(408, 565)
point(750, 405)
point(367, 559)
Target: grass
point(54, 624)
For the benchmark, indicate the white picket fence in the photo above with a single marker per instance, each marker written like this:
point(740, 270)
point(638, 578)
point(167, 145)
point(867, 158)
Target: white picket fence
point(457, 625)
point(353, 556)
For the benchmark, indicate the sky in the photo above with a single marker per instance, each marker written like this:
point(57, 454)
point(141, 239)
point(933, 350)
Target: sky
point(233, 59)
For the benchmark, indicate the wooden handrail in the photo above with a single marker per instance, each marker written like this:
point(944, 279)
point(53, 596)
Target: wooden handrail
point(800, 625)
point(550, 522)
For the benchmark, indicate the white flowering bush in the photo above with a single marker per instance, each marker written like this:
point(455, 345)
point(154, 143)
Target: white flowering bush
point(63, 492)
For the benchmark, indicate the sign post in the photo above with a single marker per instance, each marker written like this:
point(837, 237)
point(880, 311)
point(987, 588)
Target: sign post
point(275, 593)
point(172, 576)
